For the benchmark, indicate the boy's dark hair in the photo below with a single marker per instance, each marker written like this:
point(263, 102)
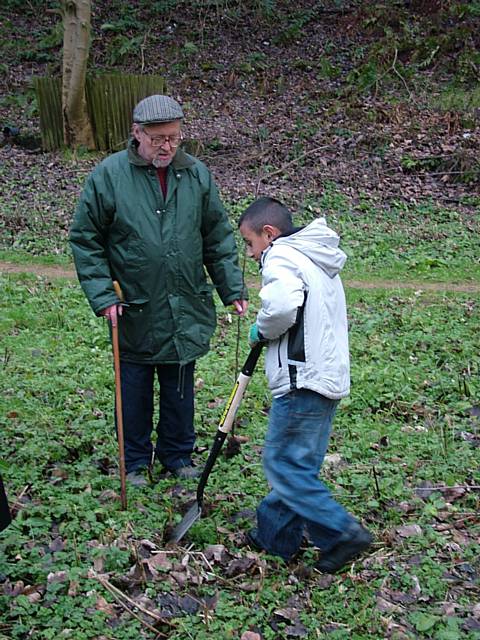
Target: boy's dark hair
point(264, 211)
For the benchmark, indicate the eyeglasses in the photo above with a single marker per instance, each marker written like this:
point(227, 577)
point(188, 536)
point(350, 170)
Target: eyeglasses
point(159, 141)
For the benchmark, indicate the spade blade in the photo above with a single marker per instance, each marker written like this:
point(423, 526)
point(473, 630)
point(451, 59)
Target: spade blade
point(192, 515)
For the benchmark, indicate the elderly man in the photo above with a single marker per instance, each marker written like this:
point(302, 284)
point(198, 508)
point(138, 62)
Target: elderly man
point(151, 218)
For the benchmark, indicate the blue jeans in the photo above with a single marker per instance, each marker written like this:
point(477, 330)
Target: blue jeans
point(175, 431)
point(295, 446)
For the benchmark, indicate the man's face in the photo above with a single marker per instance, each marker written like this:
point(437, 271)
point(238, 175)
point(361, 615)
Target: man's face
point(256, 243)
point(151, 146)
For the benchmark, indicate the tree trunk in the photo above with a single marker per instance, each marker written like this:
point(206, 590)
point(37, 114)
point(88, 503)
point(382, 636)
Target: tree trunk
point(77, 129)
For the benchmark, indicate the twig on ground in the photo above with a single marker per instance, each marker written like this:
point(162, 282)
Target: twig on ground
point(289, 164)
point(397, 72)
point(23, 492)
point(447, 488)
point(449, 173)
point(17, 505)
point(120, 597)
point(375, 477)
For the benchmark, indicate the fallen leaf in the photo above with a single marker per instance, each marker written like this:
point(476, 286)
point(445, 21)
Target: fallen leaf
point(324, 581)
point(289, 614)
point(249, 587)
point(57, 576)
point(409, 530)
point(212, 601)
point(108, 496)
point(332, 460)
point(449, 609)
point(57, 544)
point(239, 566)
point(453, 493)
point(34, 596)
point(214, 404)
point(471, 624)
point(216, 552)
point(159, 561)
point(297, 630)
point(171, 605)
point(396, 631)
point(13, 590)
point(179, 577)
point(386, 606)
point(104, 606)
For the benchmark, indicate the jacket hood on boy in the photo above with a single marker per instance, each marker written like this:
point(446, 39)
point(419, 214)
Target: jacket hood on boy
point(319, 243)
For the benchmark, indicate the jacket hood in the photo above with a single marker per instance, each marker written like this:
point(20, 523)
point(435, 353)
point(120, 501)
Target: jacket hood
point(319, 243)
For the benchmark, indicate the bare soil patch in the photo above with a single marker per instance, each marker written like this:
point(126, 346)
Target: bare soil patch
point(38, 270)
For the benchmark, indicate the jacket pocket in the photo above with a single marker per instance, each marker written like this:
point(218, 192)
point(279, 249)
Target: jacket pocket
point(135, 330)
point(199, 317)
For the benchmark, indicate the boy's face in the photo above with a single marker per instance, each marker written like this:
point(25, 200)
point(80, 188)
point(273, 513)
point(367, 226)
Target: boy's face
point(256, 243)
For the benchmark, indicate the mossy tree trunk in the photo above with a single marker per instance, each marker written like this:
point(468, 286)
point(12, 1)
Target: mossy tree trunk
point(77, 128)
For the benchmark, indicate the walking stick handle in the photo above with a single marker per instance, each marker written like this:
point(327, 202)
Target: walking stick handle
point(118, 290)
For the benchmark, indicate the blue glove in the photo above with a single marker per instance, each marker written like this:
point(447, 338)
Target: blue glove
point(255, 336)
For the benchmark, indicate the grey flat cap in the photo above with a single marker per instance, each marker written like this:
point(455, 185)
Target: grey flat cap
point(157, 109)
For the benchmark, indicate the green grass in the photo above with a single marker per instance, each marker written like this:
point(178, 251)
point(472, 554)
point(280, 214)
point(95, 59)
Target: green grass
point(19, 257)
point(406, 244)
point(411, 422)
point(401, 242)
point(425, 242)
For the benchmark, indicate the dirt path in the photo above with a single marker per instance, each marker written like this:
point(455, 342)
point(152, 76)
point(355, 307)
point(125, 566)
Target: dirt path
point(37, 269)
point(62, 272)
point(464, 287)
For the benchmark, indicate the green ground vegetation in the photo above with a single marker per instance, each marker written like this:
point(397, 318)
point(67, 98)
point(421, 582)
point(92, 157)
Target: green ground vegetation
point(405, 460)
point(401, 241)
point(404, 451)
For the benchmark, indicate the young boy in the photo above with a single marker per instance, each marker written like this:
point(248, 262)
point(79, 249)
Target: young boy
point(304, 322)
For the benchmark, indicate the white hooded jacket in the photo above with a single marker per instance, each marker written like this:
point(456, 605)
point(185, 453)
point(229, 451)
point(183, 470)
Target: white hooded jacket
point(303, 314)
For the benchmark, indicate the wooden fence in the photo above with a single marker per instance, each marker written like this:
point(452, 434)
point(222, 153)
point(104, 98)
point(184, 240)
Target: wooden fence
point(110, 102)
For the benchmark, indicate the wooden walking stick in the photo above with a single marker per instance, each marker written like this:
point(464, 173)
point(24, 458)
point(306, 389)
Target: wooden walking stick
point(118, 404)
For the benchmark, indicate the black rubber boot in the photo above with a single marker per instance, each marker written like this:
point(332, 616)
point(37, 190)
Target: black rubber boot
point(345, 551)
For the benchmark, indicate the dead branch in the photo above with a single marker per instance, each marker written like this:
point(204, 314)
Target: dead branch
point(290, 163)
point(120, 597)
point(397, 72)
point(475, 487)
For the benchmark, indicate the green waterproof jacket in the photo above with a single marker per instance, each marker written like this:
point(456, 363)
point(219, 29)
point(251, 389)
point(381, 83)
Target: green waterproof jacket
point(158, 249)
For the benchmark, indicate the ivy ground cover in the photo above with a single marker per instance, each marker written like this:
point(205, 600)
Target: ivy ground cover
point(403, 458)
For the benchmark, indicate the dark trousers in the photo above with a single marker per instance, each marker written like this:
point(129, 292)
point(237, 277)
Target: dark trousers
point(175, 431)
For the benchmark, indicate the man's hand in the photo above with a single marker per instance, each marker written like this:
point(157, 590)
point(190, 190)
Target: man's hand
point(254, 337)
point(111, 313)
point(241, 307)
